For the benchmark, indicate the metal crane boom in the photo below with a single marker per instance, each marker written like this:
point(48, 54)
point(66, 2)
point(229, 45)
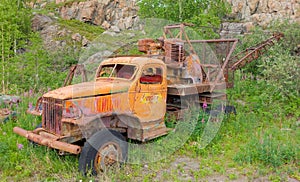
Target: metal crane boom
point(252, 53)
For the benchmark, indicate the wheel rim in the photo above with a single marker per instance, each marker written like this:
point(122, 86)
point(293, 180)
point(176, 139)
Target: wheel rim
point(108, 155)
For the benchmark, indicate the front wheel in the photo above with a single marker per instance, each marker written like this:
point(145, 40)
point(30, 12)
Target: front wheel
point(104, 149)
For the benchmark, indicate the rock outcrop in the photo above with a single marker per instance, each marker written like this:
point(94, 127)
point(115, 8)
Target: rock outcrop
point(54, 36)
point(263, 12)
point(118, 15)
point(105, 13)
point(250, 13)
point(49, 31)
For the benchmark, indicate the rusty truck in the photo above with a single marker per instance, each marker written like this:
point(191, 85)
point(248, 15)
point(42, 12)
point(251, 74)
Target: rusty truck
point(130, 95)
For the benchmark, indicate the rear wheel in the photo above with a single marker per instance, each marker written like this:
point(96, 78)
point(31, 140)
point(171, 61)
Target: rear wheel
point(103, 150)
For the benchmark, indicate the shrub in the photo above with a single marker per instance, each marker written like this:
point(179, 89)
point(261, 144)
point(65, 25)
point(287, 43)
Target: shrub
point(282, 70)
point(279, 66)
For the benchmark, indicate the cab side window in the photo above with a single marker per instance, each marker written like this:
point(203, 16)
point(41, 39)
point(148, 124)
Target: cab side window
point(151, 75)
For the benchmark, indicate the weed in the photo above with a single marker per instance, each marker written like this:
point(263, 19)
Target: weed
point(232, 176)
point(272, 149)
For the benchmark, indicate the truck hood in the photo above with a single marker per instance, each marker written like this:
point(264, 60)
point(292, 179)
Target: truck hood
point(88, 89)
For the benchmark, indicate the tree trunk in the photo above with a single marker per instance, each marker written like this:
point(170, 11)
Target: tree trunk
point(3, 67)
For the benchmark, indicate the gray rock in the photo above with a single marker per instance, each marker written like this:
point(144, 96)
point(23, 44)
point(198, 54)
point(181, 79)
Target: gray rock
point(77, 37)
point(106, 13)
point(264, 12)
point(115, 29)
point(231, 30)
point(85, 41)
point(106, 25)
point(109, 32)
point(39, 22)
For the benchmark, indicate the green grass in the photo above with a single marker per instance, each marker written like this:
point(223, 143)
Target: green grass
point(91, 32)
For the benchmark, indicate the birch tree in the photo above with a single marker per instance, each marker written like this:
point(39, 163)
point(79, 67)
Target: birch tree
point(202, 13)
point(14, 30)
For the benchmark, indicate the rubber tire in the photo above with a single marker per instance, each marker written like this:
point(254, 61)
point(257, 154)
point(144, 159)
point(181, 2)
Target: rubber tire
point(91, 147)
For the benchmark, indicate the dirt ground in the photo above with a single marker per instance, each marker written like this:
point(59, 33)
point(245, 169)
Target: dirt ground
point(184, 168)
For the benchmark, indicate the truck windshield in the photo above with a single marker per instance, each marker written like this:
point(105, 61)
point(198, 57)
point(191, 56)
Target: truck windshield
point(117, 71)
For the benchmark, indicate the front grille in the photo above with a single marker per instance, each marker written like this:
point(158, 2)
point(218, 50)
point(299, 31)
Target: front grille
point(52, 114)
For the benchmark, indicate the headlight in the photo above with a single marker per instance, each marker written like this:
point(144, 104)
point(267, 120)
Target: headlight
point(71, 110)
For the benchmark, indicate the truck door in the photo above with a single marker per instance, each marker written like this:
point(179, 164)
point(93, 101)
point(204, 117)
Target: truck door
point(151, 92)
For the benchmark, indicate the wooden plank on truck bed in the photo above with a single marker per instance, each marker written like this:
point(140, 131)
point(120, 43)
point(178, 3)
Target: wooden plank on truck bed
point(191, 89)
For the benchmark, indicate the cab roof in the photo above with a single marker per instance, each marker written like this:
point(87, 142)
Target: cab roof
point(132, 60)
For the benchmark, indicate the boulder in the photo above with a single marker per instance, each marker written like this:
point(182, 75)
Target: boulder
point(99, 15)
point(39, 22)
point(84, 42)
point(59, 1)
point(253, 6)
point(275, 6)
point(106, 25)
point(76, 37)
point(231, 30)
point(88, 10)
point(262, 7)
point(115, 29)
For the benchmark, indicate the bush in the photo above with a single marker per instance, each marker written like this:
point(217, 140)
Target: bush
point(282, 70)
point(279, 66)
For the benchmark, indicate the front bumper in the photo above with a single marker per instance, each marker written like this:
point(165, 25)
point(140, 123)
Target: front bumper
point(47, 140)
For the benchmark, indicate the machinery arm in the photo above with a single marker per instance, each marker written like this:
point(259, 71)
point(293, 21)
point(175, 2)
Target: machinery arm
point(71, 73)
point(252, 53)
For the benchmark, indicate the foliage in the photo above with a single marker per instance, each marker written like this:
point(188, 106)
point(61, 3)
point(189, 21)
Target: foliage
point(279, 66)
point(36, 69)
point(204, 14)
point(14, 30)
point(282, 70)
point(285, 46)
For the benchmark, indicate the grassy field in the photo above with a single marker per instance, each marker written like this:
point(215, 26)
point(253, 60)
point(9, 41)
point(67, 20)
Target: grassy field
point(261, 142)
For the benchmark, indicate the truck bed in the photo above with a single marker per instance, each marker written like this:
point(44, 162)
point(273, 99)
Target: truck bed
point(191, 89)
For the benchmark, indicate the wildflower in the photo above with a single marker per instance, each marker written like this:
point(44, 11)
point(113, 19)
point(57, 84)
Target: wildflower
point(204, 105)
point(20, 146)
point(30, 92)
point(14, 100)
point(30, 106)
